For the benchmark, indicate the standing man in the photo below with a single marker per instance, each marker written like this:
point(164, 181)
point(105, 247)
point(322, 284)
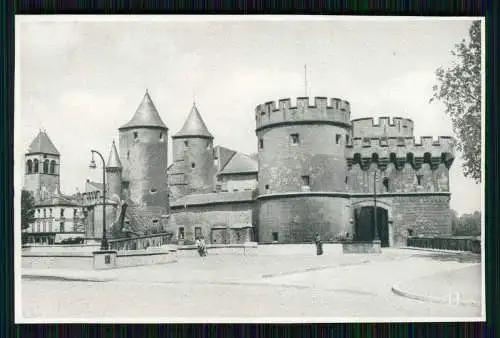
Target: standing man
point(203, 246)
point(319, 245)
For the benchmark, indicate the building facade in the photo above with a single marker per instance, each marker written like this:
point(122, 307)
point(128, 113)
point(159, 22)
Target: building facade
point(316, 171)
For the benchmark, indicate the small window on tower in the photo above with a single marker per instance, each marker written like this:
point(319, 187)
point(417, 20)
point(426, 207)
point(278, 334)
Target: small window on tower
point(337, 138)
point(267, 186)
point(385, 182)
point(419, 179)
point(295, 138)
point(161, 135)
point(193, 165)
point(305, 180)
point(347, 139)
point(62, 212)
point(128, 155)
point(135, 135)
point(153, 191)
point(186, 143)
point(261, 143)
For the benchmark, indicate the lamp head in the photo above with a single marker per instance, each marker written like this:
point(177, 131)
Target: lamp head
point(92, 164)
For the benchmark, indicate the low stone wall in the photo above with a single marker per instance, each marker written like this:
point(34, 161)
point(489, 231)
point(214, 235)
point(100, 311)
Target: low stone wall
point(61, 249)
point(361, 247)
point(57, 261)
point(472, 244)
point(86, 261)
point(129, 259)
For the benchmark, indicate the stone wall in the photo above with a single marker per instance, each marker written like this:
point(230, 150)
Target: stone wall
point(208, 216)
point(384, 127)
point(144, 161)
point(427, 214)
point(74, 261)
point(405, 179)
point(298, 218)
point(238, 182)
point(317, 155)
point(199, 165)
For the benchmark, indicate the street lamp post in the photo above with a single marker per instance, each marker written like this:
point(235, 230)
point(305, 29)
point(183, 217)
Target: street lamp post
point(377, 237)
point(104, 242)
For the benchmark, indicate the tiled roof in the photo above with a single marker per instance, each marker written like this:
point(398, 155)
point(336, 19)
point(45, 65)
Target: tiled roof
point(146, 115)
point(194, 126)
point(42, 144)
point(113, 159)
point(240, 163)
point(224, 155)
point(93, 186)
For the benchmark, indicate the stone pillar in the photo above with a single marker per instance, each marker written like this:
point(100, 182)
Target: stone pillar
point(104, 259)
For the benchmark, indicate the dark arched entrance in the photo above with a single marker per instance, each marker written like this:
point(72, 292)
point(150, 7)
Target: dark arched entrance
point(364, 225)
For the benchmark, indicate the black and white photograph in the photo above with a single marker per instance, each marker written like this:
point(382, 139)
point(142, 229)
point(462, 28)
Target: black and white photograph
point(174, 169)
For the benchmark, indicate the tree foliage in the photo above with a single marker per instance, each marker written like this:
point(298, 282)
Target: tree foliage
point(27, 209)
point(459, 88)
point(466, 224)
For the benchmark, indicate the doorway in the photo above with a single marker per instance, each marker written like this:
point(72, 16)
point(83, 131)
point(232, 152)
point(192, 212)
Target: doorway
point(365, 225)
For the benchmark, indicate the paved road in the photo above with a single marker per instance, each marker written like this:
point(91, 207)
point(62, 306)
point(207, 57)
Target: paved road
point(232, 286)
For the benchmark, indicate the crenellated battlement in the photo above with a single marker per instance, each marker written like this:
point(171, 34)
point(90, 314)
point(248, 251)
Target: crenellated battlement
point(383, 127)
point(323, 109)
point(401, 150)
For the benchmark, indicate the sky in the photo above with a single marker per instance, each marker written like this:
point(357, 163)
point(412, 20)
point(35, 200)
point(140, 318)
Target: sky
point(80, 79)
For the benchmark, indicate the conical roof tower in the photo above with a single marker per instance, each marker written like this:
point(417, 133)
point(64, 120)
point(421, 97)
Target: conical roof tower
point(113, 159)
point(194, 126)
point(146, 115)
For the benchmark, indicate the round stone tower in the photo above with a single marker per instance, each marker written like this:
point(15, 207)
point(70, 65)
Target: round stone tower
point(143, 155)
point(193, 154)
point(302, 169)
point(114, 173)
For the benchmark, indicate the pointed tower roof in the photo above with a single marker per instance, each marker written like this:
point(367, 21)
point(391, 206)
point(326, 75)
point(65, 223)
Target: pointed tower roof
point(194, 126)
point(113, 159)
point(146, 115)
point(42, 144)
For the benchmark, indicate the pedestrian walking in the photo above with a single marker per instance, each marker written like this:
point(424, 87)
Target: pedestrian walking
point(198, 246)
point(319, 245)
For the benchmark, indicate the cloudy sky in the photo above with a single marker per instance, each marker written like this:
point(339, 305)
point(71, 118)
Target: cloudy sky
point(82, 79)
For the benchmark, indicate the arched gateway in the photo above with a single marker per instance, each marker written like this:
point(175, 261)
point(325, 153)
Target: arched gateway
point(364, 224)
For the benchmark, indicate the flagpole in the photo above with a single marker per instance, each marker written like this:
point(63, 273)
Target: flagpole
point(305, 80)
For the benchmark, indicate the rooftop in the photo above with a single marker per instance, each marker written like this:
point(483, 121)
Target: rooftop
point(240, 163)
point(194, 125)
point(42, 144)
point(146, 115)
point(113, 159)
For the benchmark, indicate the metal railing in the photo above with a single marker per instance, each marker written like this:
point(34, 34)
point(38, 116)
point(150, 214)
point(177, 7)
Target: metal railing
point(471, 244)
point(139, 243)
